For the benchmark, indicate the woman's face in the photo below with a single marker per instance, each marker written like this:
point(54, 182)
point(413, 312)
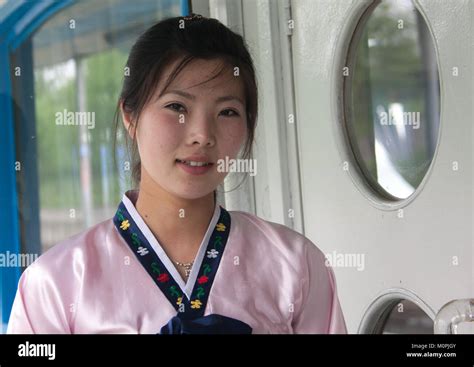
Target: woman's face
point(189, 125)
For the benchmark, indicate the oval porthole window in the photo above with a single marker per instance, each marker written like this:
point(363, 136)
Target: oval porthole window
point(397, 311)
point(393, 98)
point(406, 318)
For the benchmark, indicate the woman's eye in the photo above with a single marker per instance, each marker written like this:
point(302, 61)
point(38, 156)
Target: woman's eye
point(175, 106)
point(233, 113)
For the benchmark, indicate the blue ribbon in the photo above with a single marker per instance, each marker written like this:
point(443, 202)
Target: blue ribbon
point(210, 324)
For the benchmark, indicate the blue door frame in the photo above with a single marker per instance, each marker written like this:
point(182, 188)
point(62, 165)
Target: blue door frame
point(18, 20)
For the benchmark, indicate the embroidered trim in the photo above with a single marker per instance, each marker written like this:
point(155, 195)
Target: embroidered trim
point(187, 308)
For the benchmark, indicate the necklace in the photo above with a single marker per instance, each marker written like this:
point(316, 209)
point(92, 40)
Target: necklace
point(187, 267)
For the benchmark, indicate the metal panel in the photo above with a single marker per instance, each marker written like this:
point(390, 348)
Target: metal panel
point(237, 192)
point(416, 250)
point(277, 182)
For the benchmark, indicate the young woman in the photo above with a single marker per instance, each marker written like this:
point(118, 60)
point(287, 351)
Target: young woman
point(172, 260)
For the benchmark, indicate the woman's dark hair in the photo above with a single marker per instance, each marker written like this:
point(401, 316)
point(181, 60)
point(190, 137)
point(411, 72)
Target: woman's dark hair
point(184, 39)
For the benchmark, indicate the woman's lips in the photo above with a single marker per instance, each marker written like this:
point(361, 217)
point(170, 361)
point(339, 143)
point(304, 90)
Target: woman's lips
point(194, 170)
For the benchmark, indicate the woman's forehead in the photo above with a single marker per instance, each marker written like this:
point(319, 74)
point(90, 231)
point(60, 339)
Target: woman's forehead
point(213, 76)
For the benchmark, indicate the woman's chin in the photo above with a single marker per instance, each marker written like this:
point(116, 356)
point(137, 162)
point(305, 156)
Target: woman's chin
point(194, 194)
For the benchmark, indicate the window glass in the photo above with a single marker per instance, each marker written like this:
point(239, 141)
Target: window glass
point(394, 95)
point(406, 318)
point(77, 61)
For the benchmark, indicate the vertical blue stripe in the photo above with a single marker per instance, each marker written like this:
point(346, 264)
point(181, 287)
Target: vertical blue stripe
point(16, 26)
point(184, 7)
point(10, 237)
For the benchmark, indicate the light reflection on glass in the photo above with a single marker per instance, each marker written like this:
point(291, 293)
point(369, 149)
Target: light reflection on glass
point(393, 120)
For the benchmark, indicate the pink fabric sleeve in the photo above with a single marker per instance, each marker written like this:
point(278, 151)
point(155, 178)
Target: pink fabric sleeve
point(337, 324)
point(37, 308)
point(321, 311)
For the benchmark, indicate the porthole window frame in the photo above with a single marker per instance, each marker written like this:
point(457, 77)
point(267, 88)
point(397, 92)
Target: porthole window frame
point(344, 56)
point(379, 309)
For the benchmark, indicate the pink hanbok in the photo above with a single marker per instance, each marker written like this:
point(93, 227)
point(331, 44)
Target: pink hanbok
point(116, 278)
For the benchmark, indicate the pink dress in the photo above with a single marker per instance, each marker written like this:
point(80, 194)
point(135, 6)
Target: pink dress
point(116, 278)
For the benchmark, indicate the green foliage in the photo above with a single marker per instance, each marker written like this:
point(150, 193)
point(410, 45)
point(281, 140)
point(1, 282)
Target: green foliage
point(59, 146)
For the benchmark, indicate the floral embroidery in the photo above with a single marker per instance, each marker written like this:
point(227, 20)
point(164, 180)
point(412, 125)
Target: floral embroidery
point(155, 268)
point(142, 251)
point(196, 304)
point(200, 292)
point(203, 279)
point(135, 239)
point(139, 244)
point(163, 278)
point(174, 292)
point(120, 215)
point(125, 224)
point(206, 269)
point(218, 241)
point(212, 254)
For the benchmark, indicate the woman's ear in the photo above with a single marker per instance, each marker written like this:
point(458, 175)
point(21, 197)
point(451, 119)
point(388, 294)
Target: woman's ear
point(128, 122)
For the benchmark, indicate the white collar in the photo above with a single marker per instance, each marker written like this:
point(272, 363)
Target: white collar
point(129, 198)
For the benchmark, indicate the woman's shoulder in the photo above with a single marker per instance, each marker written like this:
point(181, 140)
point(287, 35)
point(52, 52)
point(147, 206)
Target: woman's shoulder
point(76, 249)
point(276, 235)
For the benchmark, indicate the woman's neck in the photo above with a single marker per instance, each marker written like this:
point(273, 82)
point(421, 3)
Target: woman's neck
point(178, 224)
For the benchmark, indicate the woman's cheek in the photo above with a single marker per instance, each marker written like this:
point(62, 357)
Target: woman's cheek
point(233, 137)
point(162, 132)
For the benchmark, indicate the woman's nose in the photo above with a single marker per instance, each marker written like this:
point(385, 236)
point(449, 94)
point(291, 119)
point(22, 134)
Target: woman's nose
point(201, 130)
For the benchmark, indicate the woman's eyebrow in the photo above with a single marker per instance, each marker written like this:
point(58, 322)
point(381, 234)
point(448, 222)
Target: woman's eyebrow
point(181, 93)
point(193, 97)
point(229, 98)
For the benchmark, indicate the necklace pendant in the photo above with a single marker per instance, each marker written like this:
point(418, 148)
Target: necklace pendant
point(187, 267)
